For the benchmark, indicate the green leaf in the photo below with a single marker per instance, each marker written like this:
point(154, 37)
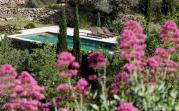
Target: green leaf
point(95, 107)
point(117, 97)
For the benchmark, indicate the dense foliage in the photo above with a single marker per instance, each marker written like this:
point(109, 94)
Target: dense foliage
point(144, 82)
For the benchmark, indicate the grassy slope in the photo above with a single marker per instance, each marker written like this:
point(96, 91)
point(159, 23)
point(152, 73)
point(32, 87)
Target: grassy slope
point(20, 23)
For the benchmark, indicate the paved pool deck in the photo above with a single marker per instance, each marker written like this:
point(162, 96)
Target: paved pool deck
point(55, 29)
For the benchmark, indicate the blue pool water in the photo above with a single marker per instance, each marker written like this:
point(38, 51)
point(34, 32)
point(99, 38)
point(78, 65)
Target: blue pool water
point(86, 44)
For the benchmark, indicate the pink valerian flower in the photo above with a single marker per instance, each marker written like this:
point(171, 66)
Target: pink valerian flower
point(75, 65)
point(74, 97)
point(68, 73)
point(161, 52)
point(92, 77)
point(132, 44)
point(65, 59)
point(29, 86)
point(168, 31)
point(47, 105)
point(177, 38)
point(22, 104)
point(127, 107)
point(160, 61)
point(172, 66)
point(134, 26)
point(63, 109)
point(26, 94)
point(46, 109)
point(82, 86)
point(120, 80)
point(172, 51)
point(97, 60)
point(7, 68)
point(128, 39)
point(154, 61)
point(130, 67)
point(7, 78)
point(63, 88)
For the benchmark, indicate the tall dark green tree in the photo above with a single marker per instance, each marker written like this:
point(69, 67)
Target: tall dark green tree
point(164, 7)
point(148, 10)
point(62, 36)
point(171, 7)
point(76, 37)
point(168, 7)
point(98, 19)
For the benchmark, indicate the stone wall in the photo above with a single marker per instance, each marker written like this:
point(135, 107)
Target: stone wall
point(28, 14)
point(12, 2)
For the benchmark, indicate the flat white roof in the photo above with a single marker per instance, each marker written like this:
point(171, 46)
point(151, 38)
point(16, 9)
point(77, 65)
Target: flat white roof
point(55, 29)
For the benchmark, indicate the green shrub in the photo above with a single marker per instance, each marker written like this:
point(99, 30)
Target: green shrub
point(9, 55)
point(41, 62)
point(53, 6)
point(39, 3)
point(153, 42)
point(117, 25)
point(174, 17)
point(34, 3)
point(84, 22)
point(30, 25)
point(114, 67)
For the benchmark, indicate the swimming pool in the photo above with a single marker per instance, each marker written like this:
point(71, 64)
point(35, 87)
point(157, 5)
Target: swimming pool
point(86, 44)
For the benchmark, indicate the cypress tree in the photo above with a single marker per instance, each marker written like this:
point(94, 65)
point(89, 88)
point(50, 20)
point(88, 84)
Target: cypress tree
point(171, 7)
point(165, 7)
point(148, 10)
point(168, 7)
point(98, 19)
point(62, 36)
point(76, 37)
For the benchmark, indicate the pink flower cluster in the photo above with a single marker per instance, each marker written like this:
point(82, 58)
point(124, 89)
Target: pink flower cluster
point(63, 88)
point(132, 44)
point(7, 78)
point(160, 61)
point(64, 59)
point(82, 86)
point(97, 60)
point(63, 109)
point(26, 94)
point(122, 79)
point(92, 77)
point(134, 26)
point(170, 32)
point(127, 107)
point(70, 68)
point(67, 60)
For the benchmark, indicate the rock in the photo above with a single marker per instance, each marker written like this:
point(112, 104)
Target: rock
point(125, 5)
point(8, 19)
point(2, 19)
point(28, 14)
point(10, 28)
point(12, 2)
point(104, 6)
